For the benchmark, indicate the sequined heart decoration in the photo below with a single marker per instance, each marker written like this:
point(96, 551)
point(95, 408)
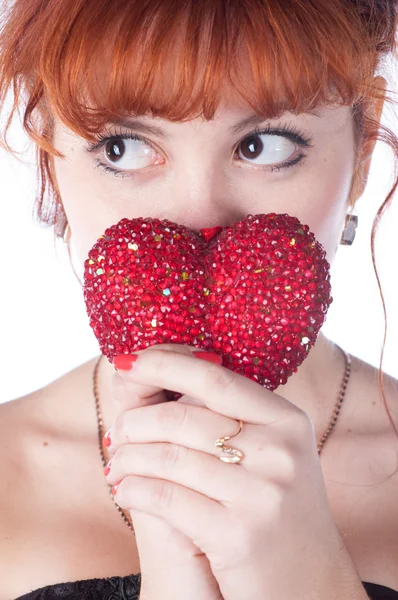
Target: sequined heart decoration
point(256, 292)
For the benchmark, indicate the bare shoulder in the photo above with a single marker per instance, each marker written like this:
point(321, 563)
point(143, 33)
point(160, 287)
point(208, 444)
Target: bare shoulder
point(360, 468)
point(20, 419)
point(25, 431)
point(370, 393)
point(40, 446)
point(30, 428)
point(35, 426)
point(361, 463)
point(40, 415)
point(369, 429)
point(55, 502)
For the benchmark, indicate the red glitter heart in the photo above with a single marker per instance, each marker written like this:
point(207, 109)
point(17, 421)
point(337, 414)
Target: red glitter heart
point(256, 292)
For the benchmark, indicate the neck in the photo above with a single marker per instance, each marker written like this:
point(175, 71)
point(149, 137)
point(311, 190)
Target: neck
point(314, 388)
point(316, 385)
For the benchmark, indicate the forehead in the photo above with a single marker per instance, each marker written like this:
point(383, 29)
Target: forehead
point(234, 119)
point(231, 119)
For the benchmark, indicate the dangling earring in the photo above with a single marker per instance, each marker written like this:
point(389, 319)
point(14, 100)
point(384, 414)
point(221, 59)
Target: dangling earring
point(67, 234)
point(348, 235)
point(63, 230)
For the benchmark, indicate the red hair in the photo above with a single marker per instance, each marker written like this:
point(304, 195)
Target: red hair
point(89, 61)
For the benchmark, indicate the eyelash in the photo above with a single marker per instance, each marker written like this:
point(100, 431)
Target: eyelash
point(288, 131)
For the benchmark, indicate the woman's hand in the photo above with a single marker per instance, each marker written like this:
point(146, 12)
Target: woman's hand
point(264, 524)
point(172, 567)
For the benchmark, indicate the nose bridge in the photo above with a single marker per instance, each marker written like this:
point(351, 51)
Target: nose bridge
point(199, 168)
point(202, 191)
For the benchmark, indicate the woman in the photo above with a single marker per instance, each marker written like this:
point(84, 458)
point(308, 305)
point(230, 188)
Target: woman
point(200, 112)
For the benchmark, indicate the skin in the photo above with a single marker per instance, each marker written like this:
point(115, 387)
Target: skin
point(198, 189)
point(213, 188)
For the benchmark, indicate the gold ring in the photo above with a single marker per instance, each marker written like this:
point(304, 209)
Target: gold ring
point(231, 455)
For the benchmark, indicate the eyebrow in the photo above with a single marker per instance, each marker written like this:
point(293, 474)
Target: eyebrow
point(138, 125)
point(256, 119)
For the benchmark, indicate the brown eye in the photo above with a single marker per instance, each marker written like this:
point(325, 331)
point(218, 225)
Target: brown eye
point(266, 149)
point(129, 153)
point(115, 149)
point(252, 147)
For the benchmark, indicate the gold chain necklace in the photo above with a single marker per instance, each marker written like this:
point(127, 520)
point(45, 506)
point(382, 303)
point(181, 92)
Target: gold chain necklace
point(321, 444)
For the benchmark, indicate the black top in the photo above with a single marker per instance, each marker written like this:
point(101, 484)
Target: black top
point(128, 588)
point(108, 588)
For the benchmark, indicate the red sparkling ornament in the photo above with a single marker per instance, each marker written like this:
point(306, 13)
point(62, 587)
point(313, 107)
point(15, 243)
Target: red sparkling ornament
point(256, 292)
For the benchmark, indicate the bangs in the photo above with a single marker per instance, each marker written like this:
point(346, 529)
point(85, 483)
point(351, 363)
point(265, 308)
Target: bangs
point(175, 59)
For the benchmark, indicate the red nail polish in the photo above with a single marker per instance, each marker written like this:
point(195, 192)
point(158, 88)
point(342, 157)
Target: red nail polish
point(107, 439)
point(124, 362)
point(211, 356)
point(107, 468)
point(114, 489)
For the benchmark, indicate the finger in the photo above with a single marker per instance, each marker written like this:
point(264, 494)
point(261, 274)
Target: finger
point(132, 394)
point(172, 547)
point(180, 348)
point(198, 517)
point(216, 387)
point(191, 426)
point(195, 470)
point(268, 452)
point(170, 561)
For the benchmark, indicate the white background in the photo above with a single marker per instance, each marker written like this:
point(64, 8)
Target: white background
point(44, 325)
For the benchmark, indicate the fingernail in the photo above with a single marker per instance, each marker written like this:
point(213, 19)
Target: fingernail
point(124, 362)
point(114, 489)
point(211, 356)
point(107, 468)
point(107, 439)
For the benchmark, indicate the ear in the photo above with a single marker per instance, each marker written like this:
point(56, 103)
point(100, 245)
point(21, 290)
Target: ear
point(366, 153)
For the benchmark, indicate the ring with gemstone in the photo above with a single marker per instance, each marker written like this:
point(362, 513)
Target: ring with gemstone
point(230, 454)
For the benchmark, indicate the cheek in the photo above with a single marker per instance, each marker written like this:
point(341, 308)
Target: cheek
point(332, 178)
point(86, 206)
